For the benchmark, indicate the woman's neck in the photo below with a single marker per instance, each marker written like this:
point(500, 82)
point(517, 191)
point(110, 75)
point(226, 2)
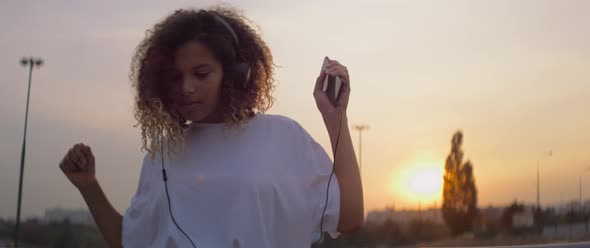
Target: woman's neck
point(216, 117)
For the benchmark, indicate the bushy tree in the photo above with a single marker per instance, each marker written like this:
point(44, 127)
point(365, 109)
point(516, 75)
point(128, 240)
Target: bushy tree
point(459, 192)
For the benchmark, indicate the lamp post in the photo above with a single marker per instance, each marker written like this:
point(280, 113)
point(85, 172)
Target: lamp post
point(360, 129)
point(31, 63)
point(539, 181)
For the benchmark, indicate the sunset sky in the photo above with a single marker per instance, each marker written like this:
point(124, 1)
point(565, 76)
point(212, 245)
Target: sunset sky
point(514, 76)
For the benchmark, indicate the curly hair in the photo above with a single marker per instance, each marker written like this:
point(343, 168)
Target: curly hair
point(153, 61)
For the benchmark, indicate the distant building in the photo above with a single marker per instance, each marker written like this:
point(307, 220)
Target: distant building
point(379, 216)
point(404, 216)
point(491, 212)
point(78, 216)
point(489, 219)
point(522, 219)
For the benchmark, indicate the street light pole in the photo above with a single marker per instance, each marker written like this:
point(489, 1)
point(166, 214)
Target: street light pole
point(581, 203)
point(539, 182)
point(31, 63)
point(538, 188)
point(360, 129)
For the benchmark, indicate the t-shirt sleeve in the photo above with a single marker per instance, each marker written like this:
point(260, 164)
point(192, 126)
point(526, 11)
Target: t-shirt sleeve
point(321, 166)
point(145, 179)
point(139, 217)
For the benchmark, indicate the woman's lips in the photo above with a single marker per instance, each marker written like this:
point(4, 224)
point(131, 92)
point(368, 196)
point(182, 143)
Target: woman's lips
point(191, 105)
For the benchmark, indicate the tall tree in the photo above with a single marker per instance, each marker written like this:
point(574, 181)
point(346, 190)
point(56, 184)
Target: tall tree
point(459, 192)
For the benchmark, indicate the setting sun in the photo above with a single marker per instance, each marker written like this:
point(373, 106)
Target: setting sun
point(419, 183)
point(425, 181)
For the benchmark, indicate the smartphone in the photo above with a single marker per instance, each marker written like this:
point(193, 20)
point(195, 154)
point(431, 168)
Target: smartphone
point(332, 85)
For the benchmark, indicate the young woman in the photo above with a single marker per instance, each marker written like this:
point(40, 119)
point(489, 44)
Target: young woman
point(218, 171)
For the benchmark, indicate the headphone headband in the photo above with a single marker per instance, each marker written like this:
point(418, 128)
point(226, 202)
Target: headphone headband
point(241, 70)
point(227, 26)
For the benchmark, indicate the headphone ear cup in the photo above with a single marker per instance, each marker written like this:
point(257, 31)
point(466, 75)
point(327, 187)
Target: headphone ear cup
point(242, 73)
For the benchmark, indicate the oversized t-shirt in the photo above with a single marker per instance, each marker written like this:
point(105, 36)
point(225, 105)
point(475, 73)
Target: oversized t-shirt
point(262, 185)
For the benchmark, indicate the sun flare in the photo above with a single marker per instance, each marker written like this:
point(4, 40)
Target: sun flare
point(425, 181)
point(420, 183)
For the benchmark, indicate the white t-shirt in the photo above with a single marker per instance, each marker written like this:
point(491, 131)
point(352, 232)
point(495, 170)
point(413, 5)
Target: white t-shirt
point(262, 186)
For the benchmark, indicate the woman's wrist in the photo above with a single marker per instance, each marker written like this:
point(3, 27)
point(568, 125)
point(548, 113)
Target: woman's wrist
point(89, 188)
point(335, 121)
point(337, 126)
point(335, 117)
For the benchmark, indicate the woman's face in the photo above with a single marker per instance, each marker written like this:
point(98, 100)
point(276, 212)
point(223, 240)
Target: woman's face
point(197, 83)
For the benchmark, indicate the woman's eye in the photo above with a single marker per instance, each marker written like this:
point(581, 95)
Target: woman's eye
point(201, 74)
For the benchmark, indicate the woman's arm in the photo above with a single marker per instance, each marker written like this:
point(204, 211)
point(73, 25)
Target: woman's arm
point(347, 171)
point(107, 219)
point(78, 165)
point(346, 168)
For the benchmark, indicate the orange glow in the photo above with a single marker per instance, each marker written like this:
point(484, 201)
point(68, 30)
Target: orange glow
point(419, 183)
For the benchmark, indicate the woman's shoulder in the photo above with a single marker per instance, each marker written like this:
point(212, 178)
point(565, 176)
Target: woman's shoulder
point(280, 123)
point(277, 120)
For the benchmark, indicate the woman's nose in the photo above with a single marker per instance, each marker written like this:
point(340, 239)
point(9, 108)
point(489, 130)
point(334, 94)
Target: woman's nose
point(188, 85)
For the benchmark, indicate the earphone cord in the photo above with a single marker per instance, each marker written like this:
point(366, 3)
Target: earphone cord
point(330, 178)
point(165, 178)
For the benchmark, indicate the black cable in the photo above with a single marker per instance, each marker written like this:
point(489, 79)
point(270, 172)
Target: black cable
point(165, 178)
point(330, 178)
